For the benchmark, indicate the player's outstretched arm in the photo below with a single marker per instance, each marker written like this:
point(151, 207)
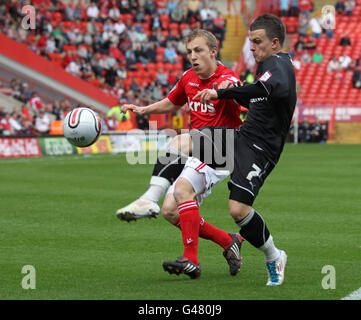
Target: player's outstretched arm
point(248, 91)
point(163, 106)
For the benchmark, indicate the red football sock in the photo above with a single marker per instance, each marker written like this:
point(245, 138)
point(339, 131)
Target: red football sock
point(210, 232)
point(190, 221)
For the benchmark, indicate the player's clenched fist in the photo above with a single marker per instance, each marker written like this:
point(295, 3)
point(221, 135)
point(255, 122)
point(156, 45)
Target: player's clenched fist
point(206, 95)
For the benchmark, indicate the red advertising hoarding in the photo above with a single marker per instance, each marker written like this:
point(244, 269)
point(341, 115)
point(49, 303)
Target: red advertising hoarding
point(19, 147)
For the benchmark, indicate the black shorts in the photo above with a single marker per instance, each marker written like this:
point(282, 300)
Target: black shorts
point(251, 168)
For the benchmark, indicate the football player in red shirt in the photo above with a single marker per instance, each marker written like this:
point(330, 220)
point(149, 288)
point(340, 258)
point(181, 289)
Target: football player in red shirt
point(206, 72)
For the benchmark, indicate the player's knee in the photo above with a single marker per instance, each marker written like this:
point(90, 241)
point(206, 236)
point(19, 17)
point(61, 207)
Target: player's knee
point(170, 213)
point(183, 191)
point(238, 210)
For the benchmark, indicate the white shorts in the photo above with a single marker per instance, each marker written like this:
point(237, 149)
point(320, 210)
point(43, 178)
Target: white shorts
point(201, 177)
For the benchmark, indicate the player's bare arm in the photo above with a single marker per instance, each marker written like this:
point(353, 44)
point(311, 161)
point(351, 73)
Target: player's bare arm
point(163, 106)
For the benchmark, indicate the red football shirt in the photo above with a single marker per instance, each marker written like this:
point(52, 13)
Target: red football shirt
point(219, 113)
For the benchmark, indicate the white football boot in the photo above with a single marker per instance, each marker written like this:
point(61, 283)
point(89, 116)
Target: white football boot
point(140, 208)
point(276, 270)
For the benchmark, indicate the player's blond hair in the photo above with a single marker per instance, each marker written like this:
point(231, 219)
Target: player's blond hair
point(211, 40)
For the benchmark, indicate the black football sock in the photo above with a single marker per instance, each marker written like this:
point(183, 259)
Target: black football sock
point(170, 166)
point(254, 229)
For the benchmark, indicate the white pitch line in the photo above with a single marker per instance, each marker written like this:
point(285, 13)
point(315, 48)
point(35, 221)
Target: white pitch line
point(356, 295)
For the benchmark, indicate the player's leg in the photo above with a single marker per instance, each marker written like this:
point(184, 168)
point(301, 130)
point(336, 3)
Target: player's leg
point(193, 184)
point(189, 219)
point(230, 242)
point(246, 180)
point(165, 172)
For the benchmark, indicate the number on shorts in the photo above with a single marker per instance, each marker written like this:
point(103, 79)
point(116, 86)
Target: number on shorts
point(254, 173)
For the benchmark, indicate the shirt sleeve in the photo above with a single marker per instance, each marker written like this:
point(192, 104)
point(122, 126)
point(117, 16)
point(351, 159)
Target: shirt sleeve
point(178, 95)
point(242, 94)
point(274, 78)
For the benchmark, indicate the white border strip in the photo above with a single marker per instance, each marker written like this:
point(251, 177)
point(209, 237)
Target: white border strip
point(356, 295)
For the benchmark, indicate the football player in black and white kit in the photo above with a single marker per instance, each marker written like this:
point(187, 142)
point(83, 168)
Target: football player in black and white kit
point(258, 144)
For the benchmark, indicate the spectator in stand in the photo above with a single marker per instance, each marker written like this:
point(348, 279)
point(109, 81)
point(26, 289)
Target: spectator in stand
point(173, 37)
point(42, 123)
point(316, 28)
point(306, 57)
point(74, 67)
point(333, 65)
point(328, 21)
point(345, 40)
point(124, 7)
point(122, 72)
point(91, 27)
point(69, 11)
point(317, 56)
point(284, 4)
point(349, 7)
point(300, 43)
point(303, 24)
point(208, 23)
point(345, 62)
point(131, 61)
point(155, 91)
point(294, 8)
point(155, 22)
point(92, 12)
point(35, 102)
point(305, 6)
point(112, 122)
point(162, 78)
point(177, 12)
point(340, 7)
point(140, 16)
point(142, 36)
point(170, 55)
point(193, 7)
point(219, 28)
point(356, 78)
point(60, 37)
point(111, 75)
point(140, 54)
point(119, 26)
point(114, 13)
point(78, 11)
point(103, 13)
point(15, 123)
point(115, 52)
point(151, 52)
point(50, 45)
point(143, 121)
point(7, 130)
point(310, 44)
point(207, 13)
point(171, 5)
point(149, 7)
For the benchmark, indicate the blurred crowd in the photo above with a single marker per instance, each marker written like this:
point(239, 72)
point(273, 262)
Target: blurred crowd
point(309, 132)
point(311, 28)
point(104, 42)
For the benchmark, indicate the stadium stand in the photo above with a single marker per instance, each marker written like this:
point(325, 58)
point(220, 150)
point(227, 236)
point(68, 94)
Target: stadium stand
point(78, 36)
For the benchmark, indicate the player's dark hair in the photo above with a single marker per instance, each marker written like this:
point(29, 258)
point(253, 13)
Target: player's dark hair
point(211, 40)
point(273, 26)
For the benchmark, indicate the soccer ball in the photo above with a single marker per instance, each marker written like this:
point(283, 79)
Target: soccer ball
point(82, 127)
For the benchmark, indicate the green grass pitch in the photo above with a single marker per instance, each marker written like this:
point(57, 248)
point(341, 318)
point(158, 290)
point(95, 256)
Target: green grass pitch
point(58, 215)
